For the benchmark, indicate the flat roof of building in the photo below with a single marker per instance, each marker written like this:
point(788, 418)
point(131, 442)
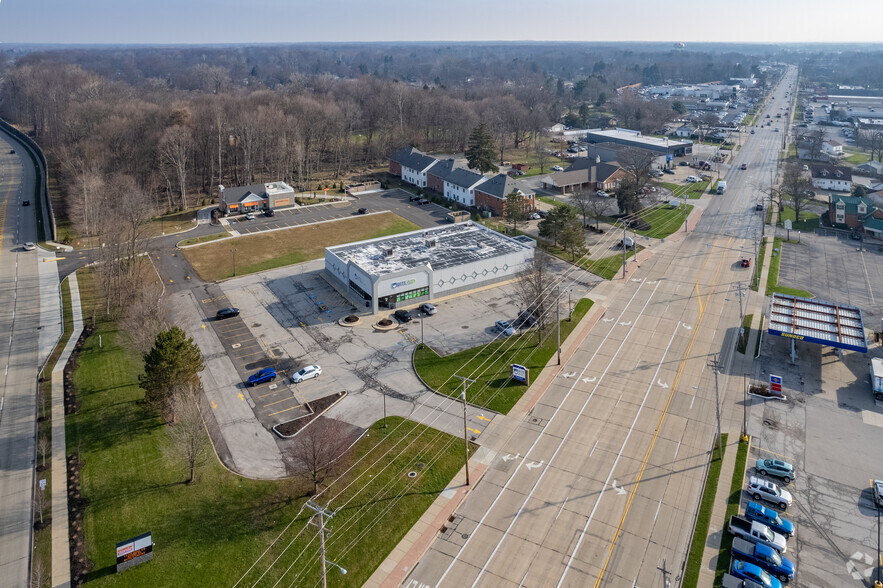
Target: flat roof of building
point(454, 245)
point(627, 135)
point(817, 321)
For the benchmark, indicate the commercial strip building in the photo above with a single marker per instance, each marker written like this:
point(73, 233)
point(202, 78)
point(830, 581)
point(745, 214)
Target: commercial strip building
point(414, 267)
point(636, 139)
point(456, 182)
point(256, 197)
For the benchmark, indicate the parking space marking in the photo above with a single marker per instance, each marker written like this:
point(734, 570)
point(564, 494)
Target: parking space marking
point(273, 393)
point(258, 352)
point(785, 457)
point(281, 401)
point(284, 410)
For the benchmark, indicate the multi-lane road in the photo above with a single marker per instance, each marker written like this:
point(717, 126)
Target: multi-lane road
point(599, 483)
point(19, 339)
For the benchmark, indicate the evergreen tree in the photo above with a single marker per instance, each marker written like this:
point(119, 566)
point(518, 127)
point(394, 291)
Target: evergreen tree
point(481, 152)
point(514, 212)
point(172, 364)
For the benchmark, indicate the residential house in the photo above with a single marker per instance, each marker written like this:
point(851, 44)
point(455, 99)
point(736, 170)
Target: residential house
point(460, 186)
point(854, 212)
point(556, 129)
point(871, 168)
point(411, 165)
point(243, 199)
point(832, 148)
point(585, 174)
point(491, 194)
point(438, 173)
point(685, 131)
point(831, 177)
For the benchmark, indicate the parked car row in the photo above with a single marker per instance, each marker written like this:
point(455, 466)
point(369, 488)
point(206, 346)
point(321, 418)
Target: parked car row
point(761, 534)
point(269, 374)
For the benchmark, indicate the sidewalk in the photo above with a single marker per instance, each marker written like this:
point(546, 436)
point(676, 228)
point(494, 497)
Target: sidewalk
point(61, 563)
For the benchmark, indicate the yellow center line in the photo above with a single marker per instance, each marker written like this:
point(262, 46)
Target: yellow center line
point(661, 418)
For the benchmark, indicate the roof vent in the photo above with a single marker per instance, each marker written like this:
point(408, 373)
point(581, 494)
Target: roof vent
point(431, 243)
point(388, 251)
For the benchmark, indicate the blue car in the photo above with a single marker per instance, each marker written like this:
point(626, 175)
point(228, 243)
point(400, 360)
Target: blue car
point(265, 375)
point(748, 571)
point(770, 518)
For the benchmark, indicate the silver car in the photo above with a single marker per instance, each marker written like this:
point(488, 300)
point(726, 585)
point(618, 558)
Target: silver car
point(761, 489)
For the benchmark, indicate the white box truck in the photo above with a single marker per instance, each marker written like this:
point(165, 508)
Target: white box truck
point(877, 377)
point(721, 187)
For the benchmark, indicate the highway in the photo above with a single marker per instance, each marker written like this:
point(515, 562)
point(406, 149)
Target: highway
point(599, 484)
point(19, 323)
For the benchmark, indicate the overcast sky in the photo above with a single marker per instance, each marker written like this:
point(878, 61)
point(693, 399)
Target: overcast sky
point(289, 21)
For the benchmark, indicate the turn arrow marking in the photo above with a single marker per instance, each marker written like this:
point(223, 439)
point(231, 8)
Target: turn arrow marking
point(661, 383)
point(534, 464)
point(568, 375)
point(509, 457)
point(619, 490)
point(626, 323)
point(589, 380)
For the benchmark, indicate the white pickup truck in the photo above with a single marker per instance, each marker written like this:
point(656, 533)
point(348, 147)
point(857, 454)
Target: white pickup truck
point(756, 533)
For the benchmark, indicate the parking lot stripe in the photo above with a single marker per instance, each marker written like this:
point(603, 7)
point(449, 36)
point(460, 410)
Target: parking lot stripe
point(284, 410)
point(283, 400)
point(785, 457)
point(273, 393)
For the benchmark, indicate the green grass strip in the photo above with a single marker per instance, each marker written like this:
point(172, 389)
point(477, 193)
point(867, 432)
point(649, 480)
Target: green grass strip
point(490, 365)
point(758, 267)
point(700, 532)
point(733, 502)
point(759, 337)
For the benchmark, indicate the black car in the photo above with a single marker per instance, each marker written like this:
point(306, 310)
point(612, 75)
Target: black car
point(363, 211)
point(543, 213)
point(12, 151)
point(402, 315)
point(227, 313)
point(414, 198)
point(25, 202)
point(668, 171)
point(269, 212)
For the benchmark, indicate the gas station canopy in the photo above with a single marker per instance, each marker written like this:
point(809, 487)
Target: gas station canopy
point(817, 321)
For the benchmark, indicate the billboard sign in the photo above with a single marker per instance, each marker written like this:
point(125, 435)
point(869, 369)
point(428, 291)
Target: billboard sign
point(776, 384)
point(520, 373)
point(134, 551)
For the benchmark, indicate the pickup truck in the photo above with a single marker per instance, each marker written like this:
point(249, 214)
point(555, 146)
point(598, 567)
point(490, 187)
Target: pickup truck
point(770, 518)
point(756, 533)
point(734, 582)
point(765, 557)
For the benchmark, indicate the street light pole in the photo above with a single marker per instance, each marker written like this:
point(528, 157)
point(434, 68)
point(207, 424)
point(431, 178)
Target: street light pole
point(466, 382)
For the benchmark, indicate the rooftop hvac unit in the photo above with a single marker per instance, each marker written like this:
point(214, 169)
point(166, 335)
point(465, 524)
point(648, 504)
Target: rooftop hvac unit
point(431, 243)
point(387, 252)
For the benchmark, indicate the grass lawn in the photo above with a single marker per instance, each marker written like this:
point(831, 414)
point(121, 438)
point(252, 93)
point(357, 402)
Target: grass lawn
point(552, 201)
point(606, 267)
point(792, 150)
point(694, 191)
point(490, 365)
point(855, 157)
point(700, 532)
point(749, 120)
point(204, 239)
point(809, 221)
point(743, 340)
point(210, 532)
point(772, 285)
point(664, 220)
point(172, 223)
point(263, 251)
point(733, 501)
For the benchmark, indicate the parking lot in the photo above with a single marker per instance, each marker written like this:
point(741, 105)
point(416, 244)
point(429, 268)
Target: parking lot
point(830, 429)
point(834, 269)
point(396, 201)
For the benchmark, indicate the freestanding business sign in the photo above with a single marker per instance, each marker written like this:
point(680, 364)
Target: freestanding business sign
point(134, 551)
point(520, 373)
point(776, 384)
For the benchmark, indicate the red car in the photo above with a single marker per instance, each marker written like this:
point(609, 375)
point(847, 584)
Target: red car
point(746, 262)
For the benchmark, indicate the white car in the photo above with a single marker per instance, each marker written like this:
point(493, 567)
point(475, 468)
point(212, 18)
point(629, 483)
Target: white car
point(534, 216)
point(29, 246)
point(428, 308)
point(307, 373)
point(761, 489)
point(557, 168)
point(693, 179)
point(602, 194)
point(249, 216)
point(878, 492)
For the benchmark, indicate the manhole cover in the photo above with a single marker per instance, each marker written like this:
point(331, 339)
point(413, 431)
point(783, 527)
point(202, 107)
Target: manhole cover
point(419, 466)
point(465, 327)
point(465, 535)
point(412, 474)
point(534, 420)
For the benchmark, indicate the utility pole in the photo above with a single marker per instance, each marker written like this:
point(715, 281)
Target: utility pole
point(466, 382)
point(744, 406)
point(558, 320)
point(717, 407)
point(321, 513)
point(233, 251)
point(666, 581)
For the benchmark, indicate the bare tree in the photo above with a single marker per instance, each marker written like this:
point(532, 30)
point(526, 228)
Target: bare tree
point(39, 572)
point(44, 446)
point(188, 436)
point(533, 289)
point(582, 200)
point(318, 450)
point(638, 162)
point(175, 148)
point(797, 187)
point(39, 502)
point(143, 319)
point(597, 210)
point(815, 139)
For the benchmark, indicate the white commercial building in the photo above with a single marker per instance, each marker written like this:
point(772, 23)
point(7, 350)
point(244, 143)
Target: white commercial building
point(406, 269)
